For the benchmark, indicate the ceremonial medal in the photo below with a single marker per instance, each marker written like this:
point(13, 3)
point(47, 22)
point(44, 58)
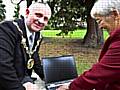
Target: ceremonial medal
point(30, 63)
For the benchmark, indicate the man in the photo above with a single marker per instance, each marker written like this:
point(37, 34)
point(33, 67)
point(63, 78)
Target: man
point(19, 46)
point(105, 74)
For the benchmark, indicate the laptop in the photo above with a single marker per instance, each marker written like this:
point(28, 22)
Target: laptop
point(58, 71)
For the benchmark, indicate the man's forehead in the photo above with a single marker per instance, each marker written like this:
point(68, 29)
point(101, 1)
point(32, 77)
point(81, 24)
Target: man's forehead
point(41, 8)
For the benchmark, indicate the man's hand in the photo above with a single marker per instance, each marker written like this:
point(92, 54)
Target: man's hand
point(63, 87)
point(30, 86)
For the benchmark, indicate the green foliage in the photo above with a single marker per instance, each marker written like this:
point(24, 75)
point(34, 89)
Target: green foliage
point(2, 11)
point(17, 7)
point(65, 15)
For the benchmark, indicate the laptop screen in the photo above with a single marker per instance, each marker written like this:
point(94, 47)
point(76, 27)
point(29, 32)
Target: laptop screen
point(59, 68)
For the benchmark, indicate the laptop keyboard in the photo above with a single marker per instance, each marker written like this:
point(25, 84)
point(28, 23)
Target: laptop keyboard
point(53, 88)
point(57, 84)
point(62, 82)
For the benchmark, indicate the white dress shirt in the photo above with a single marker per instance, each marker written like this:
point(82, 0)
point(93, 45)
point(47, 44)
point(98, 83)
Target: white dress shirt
point(32, 34)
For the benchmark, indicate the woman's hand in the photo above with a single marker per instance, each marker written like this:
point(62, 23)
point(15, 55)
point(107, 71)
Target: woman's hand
point(63, 87)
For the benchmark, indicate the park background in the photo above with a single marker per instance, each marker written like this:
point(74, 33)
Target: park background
point(70, 31)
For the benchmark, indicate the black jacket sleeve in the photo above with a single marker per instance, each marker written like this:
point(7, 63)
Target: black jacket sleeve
point(8, 76)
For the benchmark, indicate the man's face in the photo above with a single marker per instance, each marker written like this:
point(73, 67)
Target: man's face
point(37, 18)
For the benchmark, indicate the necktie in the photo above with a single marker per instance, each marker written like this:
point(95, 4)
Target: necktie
point(31, 38)
point(31, 41)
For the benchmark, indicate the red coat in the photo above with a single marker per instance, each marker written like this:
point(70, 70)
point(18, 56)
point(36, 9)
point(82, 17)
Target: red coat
point(105, 74)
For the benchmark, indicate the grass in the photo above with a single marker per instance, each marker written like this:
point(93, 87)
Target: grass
point(76, 34)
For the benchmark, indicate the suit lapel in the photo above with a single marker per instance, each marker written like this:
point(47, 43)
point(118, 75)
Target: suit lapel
point(22, 27)
point(37, 36)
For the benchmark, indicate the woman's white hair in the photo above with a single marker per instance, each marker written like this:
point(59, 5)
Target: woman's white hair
point(104, 7)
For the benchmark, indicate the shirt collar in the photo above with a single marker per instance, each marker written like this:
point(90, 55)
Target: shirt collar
point(29, 33)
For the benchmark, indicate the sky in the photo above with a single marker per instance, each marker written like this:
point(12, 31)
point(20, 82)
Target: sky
point(10, 9)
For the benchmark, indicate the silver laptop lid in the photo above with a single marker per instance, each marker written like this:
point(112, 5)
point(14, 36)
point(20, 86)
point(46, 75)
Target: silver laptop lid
point(59, 68)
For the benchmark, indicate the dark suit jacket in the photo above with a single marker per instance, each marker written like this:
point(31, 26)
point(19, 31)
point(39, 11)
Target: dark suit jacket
point(104, 75)
point(13, 71)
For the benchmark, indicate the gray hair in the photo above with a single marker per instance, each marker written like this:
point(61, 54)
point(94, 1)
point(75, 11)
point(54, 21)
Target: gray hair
point(104, 7)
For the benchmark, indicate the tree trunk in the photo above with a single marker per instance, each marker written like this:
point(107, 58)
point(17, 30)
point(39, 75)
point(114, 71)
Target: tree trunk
point(94, 36)
point(90, 38)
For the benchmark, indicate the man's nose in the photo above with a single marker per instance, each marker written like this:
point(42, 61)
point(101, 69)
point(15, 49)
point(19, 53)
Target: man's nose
point(41, 20)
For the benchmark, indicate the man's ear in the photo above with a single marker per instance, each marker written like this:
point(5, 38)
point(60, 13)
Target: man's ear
point(27, 11)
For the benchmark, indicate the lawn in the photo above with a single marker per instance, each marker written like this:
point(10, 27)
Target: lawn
point(53, 45)
point(76, 34)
